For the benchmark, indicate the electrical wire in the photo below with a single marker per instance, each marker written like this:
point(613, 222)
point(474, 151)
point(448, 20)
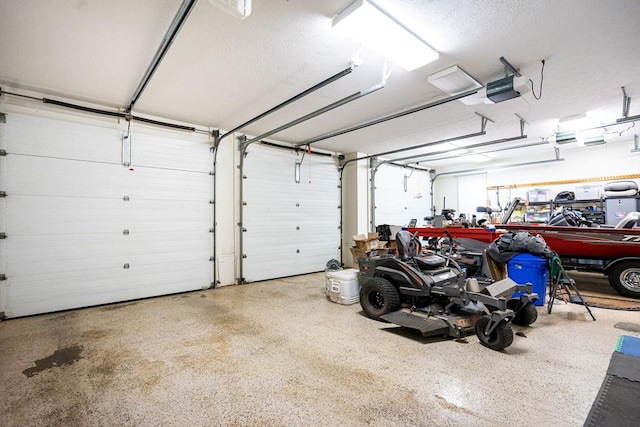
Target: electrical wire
point(541, 80)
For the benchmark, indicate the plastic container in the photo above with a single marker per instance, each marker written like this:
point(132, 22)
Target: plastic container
point(342, 286)
point(588, 192)
point(527, 268)
point(539, 195)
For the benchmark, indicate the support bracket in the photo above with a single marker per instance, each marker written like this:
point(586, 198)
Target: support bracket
point(483, 121)
point(626, 103)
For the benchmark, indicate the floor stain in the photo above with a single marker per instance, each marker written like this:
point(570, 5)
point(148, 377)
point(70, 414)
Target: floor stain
point(62, 357)
point(98, 333)
point(627, 326)
point(71, 315)
point(452, 406)
point(117, 306)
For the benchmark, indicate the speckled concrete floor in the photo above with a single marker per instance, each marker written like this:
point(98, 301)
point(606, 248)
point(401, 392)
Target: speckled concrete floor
point(278, 353)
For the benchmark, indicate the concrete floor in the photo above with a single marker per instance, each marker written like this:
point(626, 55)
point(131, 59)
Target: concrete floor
point(278, 353)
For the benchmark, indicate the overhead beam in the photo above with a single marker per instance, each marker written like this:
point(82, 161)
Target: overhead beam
point(301, 95)
point(386, 118)
point(174, 28)
point(339, 103)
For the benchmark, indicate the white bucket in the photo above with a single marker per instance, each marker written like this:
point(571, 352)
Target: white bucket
point(342, 286)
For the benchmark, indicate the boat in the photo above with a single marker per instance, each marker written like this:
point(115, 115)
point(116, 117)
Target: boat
point(613, 251)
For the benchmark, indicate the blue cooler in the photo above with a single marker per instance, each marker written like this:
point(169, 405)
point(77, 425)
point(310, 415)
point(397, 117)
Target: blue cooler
point(526, 268)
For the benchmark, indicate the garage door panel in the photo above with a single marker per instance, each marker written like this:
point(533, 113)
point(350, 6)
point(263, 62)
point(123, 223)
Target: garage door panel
point(59, 253)
point(394, 205)
point(168, 247)
point(160, 152)
point(86, 230)
point(35, 294)
point(49, 137)
point(161, 184)
point(33, 176)
point(170, 215)
point(292, 228)
point(42, 215)
point(39, 215)
point(37, 254)
point(59, 177)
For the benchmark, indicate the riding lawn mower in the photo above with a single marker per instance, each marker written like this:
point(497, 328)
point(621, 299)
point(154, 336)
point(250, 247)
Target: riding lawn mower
point(430, 293)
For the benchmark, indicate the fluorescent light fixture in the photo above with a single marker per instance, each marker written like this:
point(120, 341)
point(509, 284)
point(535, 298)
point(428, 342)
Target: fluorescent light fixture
point(237, 8)
point(598, 140)
point(453, 80)
point(477, 158)
point(373, 28)
point(565, 137)
point(453, 149)
point(591, 137)
point(575, 123)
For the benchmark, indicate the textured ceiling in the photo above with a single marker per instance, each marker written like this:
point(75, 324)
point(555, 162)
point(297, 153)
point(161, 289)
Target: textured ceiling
point(221, 71)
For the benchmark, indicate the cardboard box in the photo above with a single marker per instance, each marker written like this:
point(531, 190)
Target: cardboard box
point(358, 253)
point(367, 242)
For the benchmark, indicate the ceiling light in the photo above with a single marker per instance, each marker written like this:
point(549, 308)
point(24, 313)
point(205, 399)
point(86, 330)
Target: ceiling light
point(453, 80)
point(575, 123)
point(453, 149)
point(590, 137)
point(565, 137)
point(373, 28)
point(477, 158)
point(236, 8)
point(594, 141)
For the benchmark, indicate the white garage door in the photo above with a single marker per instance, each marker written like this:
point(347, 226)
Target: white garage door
point(291, 228)
point(397, 204)
point(82, 229)
point(472, 192)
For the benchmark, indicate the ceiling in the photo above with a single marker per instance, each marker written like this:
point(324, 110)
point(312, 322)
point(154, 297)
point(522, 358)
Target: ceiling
point(221, 71)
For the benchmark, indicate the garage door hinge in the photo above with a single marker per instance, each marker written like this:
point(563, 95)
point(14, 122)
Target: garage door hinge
point(212, 258)
point(125, 198)
point(125, 232)
point(211, 230)
point(3, 277)
point(212, 173)
point(244, 203)
point(211, 202)
point(244, 229)
point(244, 256)
point(126, 266)
point(244, 176)
point(3, 235)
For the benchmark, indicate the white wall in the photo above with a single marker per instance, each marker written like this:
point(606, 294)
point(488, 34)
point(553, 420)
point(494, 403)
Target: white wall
point(355, 203)
point(226, 210)
point(394, 205)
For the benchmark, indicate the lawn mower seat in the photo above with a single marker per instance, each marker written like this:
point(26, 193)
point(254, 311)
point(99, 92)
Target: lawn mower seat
point(408, 245)
point(410, 250)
